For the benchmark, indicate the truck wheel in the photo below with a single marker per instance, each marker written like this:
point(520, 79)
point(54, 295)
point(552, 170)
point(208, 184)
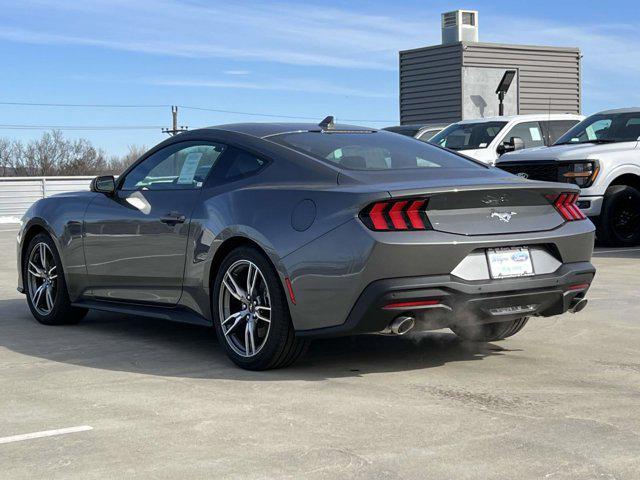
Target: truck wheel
point(619, 222)
point(490, 332)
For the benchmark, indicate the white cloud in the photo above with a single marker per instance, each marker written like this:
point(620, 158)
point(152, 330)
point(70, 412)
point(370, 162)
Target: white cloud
point(282, 33)
point(275, 84)
point(236, 72)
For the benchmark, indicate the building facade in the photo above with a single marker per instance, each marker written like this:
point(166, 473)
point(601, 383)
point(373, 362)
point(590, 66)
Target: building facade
point(457, 80)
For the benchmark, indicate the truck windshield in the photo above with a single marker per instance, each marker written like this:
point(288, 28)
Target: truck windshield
point(604, 128)
point(372, 150)
point(468, 136)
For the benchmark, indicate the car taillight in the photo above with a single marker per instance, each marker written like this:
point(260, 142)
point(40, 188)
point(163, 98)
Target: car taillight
point(392, 215)
point(565, 204)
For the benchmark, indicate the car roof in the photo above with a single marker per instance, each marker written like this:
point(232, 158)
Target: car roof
point(533, 116)
point(619, 110)
point(262, 130)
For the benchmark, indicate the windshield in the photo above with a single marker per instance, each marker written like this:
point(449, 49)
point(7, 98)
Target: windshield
point(468, 136)
point(372, 150)
point(601, 128)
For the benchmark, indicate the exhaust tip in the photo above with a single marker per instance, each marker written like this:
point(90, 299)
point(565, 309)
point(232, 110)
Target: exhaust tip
point(578, 305)
point(400, 326)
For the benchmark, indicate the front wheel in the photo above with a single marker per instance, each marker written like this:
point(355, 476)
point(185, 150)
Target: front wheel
point(45, 285)
point(251, 315)
point(490, 332)
point(619, 221)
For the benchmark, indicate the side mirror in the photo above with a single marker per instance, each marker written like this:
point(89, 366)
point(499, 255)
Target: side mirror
point(514, 143)
point(104, 184)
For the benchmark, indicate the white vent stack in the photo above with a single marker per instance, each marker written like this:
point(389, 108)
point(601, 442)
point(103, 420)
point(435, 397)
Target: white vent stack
point(460, 26)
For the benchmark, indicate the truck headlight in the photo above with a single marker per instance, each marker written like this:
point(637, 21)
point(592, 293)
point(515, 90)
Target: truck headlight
point(582, 172)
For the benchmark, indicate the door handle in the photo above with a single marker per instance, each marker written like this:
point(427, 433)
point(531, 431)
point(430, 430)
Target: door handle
point(173, 218)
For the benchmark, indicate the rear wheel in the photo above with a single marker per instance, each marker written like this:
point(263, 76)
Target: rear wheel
point(251, 313)
point(45, 285)
point(619, 222)
point(490, 332)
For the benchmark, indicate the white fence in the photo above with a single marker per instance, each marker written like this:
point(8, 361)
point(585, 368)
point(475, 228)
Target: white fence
point(17, 194)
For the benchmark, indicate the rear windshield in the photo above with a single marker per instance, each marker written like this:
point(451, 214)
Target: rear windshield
point(468, 136)
point(372, 150)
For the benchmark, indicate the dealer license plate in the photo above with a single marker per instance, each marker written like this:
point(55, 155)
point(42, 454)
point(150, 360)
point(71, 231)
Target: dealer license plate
point(509, 262)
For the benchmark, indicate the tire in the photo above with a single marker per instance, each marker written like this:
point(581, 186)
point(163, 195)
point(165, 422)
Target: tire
point(490, 332)
point(619, 221)
point(271, 345)
point(52, 306)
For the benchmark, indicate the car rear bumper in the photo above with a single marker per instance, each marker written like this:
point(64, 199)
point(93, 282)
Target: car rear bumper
point(462, 302)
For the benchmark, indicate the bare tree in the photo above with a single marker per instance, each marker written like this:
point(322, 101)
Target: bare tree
point(117, 165)
point(52, 154)
point(7, 158)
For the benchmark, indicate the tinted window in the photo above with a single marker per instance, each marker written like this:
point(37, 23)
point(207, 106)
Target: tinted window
point(529, 132)
point(601, 128)
point(428, 134)
point(371, 151)
point(468, 136)
point(556, 128)
point(408, 131)
point(180, 166)
point(242, 164)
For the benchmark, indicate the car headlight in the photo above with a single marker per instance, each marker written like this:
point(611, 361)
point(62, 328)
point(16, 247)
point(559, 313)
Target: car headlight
point(582, 172)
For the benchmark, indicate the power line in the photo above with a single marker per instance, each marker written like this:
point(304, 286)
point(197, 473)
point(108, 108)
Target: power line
point(83, 105)
point(291, 117)
point(79, 127)
point(188, 107)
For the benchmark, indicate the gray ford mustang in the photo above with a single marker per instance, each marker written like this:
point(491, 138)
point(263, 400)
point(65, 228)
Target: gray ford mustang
point(279, 233)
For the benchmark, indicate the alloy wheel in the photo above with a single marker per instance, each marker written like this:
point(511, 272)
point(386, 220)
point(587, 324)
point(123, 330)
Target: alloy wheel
point(245, 308)
point(42, 278)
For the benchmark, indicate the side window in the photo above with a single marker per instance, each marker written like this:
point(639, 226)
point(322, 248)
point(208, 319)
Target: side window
point(428, 134)
point(182, 166)
point(556, 128)
point(529, 132)
point(242, 164)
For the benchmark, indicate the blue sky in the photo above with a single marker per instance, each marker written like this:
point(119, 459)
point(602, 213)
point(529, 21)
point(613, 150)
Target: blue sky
point(298, 58)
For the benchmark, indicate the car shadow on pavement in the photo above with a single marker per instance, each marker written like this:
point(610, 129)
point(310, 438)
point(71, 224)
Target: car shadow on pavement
point(155, 347)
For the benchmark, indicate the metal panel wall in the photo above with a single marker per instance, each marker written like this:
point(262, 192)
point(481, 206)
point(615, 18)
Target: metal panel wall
point(548, 77)
point(430, 84)
point(17, 194)
point(432, 89)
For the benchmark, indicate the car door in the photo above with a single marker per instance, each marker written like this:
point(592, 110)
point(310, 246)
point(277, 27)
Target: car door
point(135, 240)
point(529, 132)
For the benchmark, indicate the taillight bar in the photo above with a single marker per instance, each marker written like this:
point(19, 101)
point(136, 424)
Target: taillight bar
point(395, 215)
point(565, 204)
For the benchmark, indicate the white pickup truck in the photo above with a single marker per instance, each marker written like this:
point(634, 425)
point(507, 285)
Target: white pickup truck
point(601, 155)
point(485, 139)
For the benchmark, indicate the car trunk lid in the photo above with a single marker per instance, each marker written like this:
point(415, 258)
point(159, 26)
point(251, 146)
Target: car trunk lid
point(486, 203)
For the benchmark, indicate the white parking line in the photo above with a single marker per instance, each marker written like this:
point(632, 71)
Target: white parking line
point(47, 433)
point(617, 250)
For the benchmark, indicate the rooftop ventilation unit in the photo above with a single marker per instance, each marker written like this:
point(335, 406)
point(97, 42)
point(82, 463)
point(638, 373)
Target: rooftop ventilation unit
point(460, 26)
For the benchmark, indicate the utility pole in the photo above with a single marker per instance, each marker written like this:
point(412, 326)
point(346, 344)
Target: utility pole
point(175, 130)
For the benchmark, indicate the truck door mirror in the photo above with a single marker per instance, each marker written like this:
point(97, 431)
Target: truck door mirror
point(514, 144)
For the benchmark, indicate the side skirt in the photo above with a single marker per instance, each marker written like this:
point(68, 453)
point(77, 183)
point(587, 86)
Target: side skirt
point(173, 314)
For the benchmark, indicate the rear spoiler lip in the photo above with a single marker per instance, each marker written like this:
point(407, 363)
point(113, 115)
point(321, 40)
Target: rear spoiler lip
point(543, 187)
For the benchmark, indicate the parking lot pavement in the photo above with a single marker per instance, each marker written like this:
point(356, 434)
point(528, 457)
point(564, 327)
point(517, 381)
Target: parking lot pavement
point(124, 397)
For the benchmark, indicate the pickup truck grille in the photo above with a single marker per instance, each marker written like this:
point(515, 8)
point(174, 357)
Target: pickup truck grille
point(545, 171)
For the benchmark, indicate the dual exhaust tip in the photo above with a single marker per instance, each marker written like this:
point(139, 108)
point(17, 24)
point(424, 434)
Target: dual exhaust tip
point(404, 324)
point(400, 326)
point(577, 305)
